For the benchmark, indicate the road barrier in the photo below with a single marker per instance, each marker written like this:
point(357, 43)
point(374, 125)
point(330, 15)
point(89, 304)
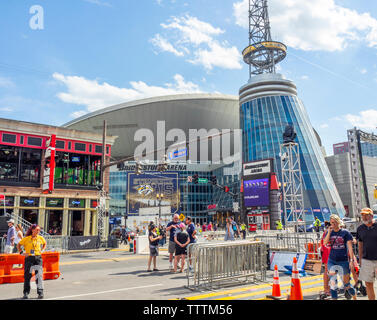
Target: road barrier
point(226, 263)
point(12, 267)
point(293, 242)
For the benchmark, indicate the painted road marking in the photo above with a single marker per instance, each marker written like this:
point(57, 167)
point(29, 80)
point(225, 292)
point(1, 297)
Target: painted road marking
point(100, 260)
point(104, 292)
point(257, 293)
point(221, 293)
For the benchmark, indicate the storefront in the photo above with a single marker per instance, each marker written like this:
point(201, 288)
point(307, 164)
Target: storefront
point(29, 209)
point(54, 215)
point(6, 205)
point(77, 216)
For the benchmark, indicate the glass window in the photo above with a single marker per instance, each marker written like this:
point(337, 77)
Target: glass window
point(77, 203)
point(55, 202)
point(60, 144)
point(9, 158)
point(98, 149)
point(30, 165)
point(9, 138)
point(29, 202)
point(33, 141)
point(80, 146)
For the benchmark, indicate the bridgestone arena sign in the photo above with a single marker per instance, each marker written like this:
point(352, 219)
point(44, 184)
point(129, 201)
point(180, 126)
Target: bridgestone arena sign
point(153, 168)
point(258, 167)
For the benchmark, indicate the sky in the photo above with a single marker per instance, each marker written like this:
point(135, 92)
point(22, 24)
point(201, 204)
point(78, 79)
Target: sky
point(62, 59)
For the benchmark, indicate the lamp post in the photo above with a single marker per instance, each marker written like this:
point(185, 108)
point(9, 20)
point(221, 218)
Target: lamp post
point(159, 196)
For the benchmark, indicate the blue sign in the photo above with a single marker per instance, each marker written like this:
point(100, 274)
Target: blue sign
point(256, 193)
point(28, 201)
point(75, 159)
point(318, 213)
point(178, 154)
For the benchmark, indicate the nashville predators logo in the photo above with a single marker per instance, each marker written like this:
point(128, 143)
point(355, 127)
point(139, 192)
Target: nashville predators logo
point(145, 190)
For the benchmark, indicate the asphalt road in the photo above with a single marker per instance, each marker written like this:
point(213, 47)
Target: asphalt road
point(120, 275)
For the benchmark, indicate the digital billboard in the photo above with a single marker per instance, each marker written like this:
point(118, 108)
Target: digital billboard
point(256, 193)
point(142, 191)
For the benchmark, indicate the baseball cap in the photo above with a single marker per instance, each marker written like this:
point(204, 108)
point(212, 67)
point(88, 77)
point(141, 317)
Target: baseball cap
point(366, 211)
point(10, 221)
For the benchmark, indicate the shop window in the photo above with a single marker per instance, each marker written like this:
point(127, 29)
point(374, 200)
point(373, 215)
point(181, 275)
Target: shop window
point(60, 144)
point(80, 146)
point(55, 202)
point(30, 165)
point(33, 141)
point(9, 138)
point(90, 148)
point(9, 202)
point(30, 215)
point(77, 169)
point(98, 149)
point(77, 203)
point(29, 202)
point(69, 145)
point(22, 140)
point(9, 159)
point(55, 222)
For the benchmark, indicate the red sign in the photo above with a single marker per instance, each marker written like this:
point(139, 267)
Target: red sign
point(2, 196)
point(212, 206)
point(49, 172)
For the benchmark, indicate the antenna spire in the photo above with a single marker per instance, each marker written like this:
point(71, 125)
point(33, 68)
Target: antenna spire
point(262, 54)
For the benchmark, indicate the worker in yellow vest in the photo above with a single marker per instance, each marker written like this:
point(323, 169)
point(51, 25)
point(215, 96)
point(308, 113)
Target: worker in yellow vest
point(279, 225)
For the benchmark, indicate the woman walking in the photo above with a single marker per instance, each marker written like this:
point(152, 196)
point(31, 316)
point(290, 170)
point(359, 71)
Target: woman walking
point(229, 233)
point(154, 238)
point(341, 255)
point(19, 235)
point(34, 245)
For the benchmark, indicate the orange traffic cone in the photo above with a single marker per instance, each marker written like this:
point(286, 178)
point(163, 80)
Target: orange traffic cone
point(296, 291)
point(276, 293)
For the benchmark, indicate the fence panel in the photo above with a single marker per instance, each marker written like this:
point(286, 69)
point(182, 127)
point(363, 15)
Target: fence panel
point(226, 263)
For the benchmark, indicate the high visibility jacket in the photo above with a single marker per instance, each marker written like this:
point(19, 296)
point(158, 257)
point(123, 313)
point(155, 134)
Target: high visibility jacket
point(317, 223)
point(157, 231)
point(279, 226)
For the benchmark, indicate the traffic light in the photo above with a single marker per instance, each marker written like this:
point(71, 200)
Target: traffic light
point(226, 189)
point(138, 168)
point(195, 178)
point(214, 180)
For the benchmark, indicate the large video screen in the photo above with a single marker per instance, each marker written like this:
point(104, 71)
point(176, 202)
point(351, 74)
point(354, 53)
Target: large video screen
point(143, 190)
point(256, 193)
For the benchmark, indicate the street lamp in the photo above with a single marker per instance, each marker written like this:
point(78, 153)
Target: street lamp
point(159, 196)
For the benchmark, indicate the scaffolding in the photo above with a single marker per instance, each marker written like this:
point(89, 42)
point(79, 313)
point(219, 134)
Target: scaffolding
point(293, 197)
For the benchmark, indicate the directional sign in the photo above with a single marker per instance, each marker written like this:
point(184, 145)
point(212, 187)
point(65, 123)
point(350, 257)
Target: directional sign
point(201, 180)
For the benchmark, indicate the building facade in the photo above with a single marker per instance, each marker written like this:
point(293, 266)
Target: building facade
point(268, 103)
point(70, 207)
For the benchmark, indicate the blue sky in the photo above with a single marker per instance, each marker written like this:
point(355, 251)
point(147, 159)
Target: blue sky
point(96, 53)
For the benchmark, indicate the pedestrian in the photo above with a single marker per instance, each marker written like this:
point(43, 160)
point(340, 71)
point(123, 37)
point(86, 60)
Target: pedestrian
point(236, 230)
point(229, 232)
point(19, 235)
point(154, 238)
point(215, 227)
point(204, 227)
point(34, 245)
point(367, 237)
point(317, 224)
point(340, 259)
point(243, 230)
point(181, 239)
point(279, 225)
point(124, 235)
point(209, 227)
point(10, 236)
point(190, 227)
point(325, 252)
point(172, 227)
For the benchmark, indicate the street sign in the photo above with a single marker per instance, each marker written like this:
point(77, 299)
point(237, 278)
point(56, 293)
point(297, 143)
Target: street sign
point(178, 154)
point(182, 217)
point(201, 180)
point(235, 207)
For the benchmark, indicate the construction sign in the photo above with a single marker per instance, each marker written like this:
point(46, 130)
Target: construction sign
point(182, 217)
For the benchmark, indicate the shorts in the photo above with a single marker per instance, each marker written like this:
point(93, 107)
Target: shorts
point(339, 266)
point(179, 250)
point(171, 248)
point(153, 251)
point(368, 270)
point(8, 249)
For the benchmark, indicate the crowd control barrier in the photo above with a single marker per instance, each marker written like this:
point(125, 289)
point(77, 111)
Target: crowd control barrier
point(226, 263)
point(12, 267)
point(293, 242)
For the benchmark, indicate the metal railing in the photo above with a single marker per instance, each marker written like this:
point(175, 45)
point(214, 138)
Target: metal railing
point(293, 242)
point(25, 224)
point(226, 263)
point(2, 244)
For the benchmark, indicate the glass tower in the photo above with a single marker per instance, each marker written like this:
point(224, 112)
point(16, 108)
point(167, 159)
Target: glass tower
point(268, 103)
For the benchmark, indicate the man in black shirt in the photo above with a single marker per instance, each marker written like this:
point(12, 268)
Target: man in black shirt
point(367, 237)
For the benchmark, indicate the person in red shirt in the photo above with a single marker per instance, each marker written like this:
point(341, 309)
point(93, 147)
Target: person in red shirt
point(325, 252)
point(204, 227)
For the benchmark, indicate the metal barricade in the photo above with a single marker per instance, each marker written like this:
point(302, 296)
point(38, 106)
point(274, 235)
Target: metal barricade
point(57, 243)
point(293, 242)
point(226, 263)
point(2, 244)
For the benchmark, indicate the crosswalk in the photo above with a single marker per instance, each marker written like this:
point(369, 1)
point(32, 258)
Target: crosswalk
point(310, 286)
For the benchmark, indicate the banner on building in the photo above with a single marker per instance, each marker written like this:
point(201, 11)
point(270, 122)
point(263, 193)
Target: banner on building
point(84, 243)
point(49, 170)
point(142, 191)
point(257, 168)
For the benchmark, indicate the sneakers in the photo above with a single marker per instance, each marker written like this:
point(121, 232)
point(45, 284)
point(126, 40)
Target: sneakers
point(40, 296)
point(149, 270)
point(26, 296)
point(156, 270)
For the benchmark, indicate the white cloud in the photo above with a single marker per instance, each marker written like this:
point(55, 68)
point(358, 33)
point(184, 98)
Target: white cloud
point(94, 95)
point(196, 39)
point(304, 77)
point(324, 126)
point(315, 24)
point(6, 83)
point(164, 45)
point(99, 3)
point(6, 109)
point(364, 120)
point(363, 71)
